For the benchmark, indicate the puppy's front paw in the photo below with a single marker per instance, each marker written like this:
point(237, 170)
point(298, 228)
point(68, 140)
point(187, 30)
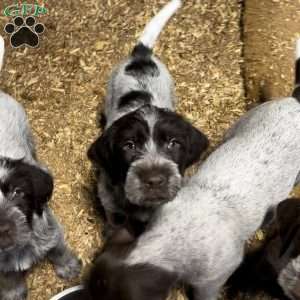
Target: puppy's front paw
point(70, 268)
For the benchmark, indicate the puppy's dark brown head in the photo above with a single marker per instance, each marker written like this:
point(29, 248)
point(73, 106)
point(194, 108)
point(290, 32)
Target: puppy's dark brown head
point(146, 152)
point(24, 190)
point(111, 279)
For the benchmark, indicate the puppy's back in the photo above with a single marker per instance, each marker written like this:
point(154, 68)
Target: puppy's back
point(15, 134)
point(142, 78)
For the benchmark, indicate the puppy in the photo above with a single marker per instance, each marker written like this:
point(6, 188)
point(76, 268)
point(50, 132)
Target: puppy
point(287, 264)
point(146, 146)
point(28, 230)
point(199, 237)
point(276, 259)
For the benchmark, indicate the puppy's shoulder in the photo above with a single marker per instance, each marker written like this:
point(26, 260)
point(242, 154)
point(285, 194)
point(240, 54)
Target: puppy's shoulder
point(8, 103)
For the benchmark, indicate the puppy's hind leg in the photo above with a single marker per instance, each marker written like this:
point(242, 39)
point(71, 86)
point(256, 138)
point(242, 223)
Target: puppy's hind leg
point(13, 286)
point(66, 264)
point(204, 292)
point(206, 289)
point(215, 277)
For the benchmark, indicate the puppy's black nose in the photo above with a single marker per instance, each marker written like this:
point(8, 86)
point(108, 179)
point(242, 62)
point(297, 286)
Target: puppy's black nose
point(155, 180)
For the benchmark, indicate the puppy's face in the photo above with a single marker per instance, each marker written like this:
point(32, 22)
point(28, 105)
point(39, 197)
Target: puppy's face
point(148, 151)
point(24, 189)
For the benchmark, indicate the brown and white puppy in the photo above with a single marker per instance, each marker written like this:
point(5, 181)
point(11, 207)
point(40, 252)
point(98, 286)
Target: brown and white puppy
point(145, 147)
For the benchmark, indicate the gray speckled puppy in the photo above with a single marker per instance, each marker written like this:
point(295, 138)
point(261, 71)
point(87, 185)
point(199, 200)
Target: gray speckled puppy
point(146, 147)
point(28, 230)
point(199, 238)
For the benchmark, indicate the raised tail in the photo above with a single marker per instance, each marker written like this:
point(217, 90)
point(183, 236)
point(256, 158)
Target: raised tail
point(2, 49)
point(296, 92)
point(142, 52)
point(158, 22)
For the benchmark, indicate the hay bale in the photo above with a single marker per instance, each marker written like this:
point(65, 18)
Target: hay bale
point(62, 82)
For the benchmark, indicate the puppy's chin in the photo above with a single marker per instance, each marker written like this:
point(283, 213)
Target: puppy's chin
point(152, 181)
point(153, 203)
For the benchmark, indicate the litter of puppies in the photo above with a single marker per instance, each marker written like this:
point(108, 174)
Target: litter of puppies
point(121, 240)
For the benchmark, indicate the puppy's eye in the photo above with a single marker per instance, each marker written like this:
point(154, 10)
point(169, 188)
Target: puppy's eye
point(173, 143)
point(17, 192)
point(129, 145)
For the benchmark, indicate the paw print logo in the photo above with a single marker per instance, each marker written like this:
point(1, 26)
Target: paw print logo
point(24, 32)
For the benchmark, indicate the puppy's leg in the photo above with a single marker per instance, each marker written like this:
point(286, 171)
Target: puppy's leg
point(113, 222)
point(13, 286)
point(66, 264)
point(214, 278)
point(204, 295)
point(207, 291)
point(137, 282)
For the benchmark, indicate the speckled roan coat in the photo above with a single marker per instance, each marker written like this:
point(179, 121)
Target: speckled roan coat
point(200, 236)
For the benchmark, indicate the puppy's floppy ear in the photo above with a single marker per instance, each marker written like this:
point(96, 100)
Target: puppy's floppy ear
point(100, 151)
point(288, 220)
point(36, 183)
point(42, 183)
point(103, 153)
point(197, 144)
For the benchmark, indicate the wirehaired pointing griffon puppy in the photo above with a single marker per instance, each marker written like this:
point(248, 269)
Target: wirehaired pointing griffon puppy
point(288, 264)
point(146, 146)
point(282, 253)
point(199, 237)
point(275, 266)
point(28, 230)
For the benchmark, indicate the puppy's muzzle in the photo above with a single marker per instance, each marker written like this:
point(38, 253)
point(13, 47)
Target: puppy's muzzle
point(152, 182)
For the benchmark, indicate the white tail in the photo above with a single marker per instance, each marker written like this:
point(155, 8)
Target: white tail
point(2, 49)
point(155, 26)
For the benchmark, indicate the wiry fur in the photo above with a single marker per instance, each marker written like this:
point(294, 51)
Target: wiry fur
point(220, 208)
